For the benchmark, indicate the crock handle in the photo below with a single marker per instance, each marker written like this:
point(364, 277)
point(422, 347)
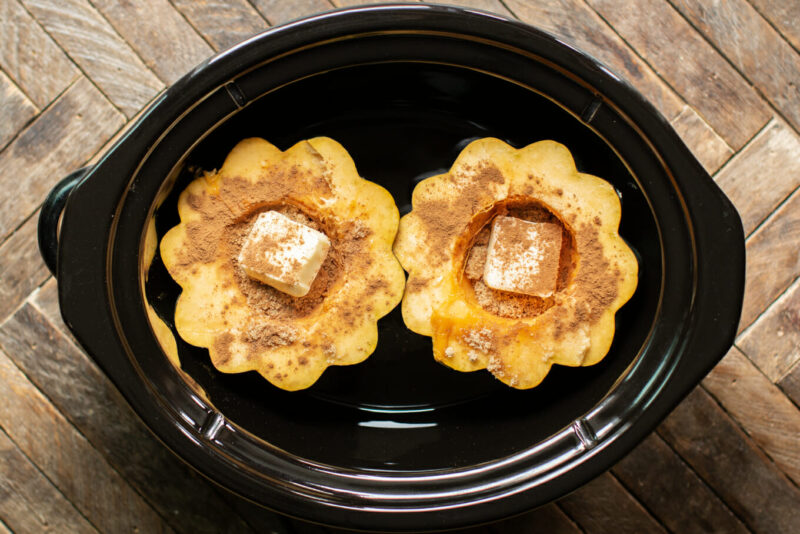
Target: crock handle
point(50, 215)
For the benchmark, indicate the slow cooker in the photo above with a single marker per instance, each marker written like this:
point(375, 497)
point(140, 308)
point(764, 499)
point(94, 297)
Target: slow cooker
point(399, 442)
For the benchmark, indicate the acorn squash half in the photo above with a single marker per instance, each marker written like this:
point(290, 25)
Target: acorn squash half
point(517, 338)
point(247, 325)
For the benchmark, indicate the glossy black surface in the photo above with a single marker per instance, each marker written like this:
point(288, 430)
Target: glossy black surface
point(404, 88)
point(52, 207)
point(401, 409)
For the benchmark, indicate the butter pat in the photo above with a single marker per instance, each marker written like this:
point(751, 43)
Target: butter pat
point(283, 254)
point(523, 257)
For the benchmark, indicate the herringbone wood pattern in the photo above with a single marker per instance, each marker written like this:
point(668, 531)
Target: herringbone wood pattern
point(726, 74)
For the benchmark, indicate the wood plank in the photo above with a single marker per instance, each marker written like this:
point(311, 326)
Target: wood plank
point(279, 11)
point(772, 259)
point(56, 143)
point(116, 137)
point(656, 475)
point(690, 65)
point(31, 57)
point(223, 23)
point(29, 503)
point(783, 14)
point(763, 174)
point(102, 54)
point(605, 506)
point(21, 267)
point(773, 341)
point(709, 148)
point(548, 519)
point(790, 384)
point(755, 48)
point(768, 417)
point(168, 44)
point(730, 463)
point(77, 387)
point(352, 3)
point(46, 301)
point(4, 529)
point(68, 460)
point(575, 22)
point(492, 6)
point(16, 110)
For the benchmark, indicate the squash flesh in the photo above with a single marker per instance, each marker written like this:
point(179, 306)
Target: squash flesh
point(319, 178)
point(578, 329)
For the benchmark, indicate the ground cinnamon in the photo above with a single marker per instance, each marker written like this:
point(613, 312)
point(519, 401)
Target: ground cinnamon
point(447, 222)
point(443, 219)
point(226, 217)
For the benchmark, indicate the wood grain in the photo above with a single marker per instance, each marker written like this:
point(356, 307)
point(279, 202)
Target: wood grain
point(21, 267)
point(56, 143)
point(29, 503)
point(712, 468)
point(790, 384)
point(773, 341)
point(772, 259)
point(768, 417)
point(783, 14)
point(351, 3)
point(279, 11)
point(577, 23)
point(45, 298)
point(655, 475)
point(762, 175)
point(94, 45)
point(492, 6)
point(15, 112)
point(109, 144)
point(709, 148)
point(605, 506)
point(30, 57)
point(223, 23)
point(707, 82)
point(730, 463)
point(88, 399)
point(755, 48)
point(169, 46)
point(68, 460)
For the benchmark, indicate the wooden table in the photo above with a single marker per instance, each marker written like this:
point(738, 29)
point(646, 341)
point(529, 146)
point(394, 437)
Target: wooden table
point(74, 73)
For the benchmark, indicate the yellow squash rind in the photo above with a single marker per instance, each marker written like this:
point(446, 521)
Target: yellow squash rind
point(436, 304)
point(212, 312)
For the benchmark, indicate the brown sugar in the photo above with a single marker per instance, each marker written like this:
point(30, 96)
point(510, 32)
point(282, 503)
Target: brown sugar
point(476, 257)
point(596, 282)
point(265, 334)
point(507, 304)
point(225, 219)
point(222, 348)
